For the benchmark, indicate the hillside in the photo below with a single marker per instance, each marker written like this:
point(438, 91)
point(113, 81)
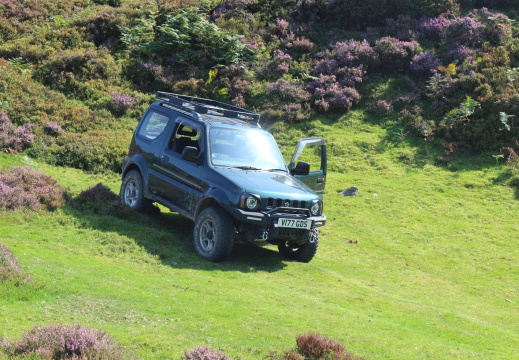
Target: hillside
point(418, 110)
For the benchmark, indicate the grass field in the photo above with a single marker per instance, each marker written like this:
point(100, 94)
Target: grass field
point(421, 265)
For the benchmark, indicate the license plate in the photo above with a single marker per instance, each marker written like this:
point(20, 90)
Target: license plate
point(295, 224)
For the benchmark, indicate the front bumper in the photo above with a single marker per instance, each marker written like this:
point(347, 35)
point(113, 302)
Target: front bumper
point(267, 222)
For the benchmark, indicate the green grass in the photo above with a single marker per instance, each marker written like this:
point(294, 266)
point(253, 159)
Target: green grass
point(422, 264)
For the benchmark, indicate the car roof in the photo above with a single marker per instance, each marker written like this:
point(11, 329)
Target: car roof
point(209, 119)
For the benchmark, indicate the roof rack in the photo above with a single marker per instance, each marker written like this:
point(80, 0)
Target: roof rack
point(209, 107)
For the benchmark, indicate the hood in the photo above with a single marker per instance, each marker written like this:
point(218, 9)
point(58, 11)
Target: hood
point(274, 184)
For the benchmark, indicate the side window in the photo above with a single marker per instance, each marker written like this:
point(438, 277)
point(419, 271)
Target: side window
point(185, 135)
point(153, 125)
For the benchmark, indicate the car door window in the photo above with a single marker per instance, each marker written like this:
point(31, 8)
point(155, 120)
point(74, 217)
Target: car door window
point(185, 135)
point(153, 125)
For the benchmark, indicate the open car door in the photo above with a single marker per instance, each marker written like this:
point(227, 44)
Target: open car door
point(308, 163)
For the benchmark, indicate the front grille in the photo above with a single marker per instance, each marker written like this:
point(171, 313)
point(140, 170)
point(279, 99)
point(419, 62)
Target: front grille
point(275, 203)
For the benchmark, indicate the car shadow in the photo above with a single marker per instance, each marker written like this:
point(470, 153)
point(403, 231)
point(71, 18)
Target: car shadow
point(168, 237)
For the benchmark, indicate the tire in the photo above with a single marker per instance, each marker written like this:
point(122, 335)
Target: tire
point(213, 235)
point(132, 192)
point(301, 253)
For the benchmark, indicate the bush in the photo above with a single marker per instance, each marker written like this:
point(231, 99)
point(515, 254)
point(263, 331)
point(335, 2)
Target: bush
point(95, 151)
point(395, 54)
point(12, 138)
point(100, 199)
point(23, 188)
point(10, 270)
point(316, 347)
point(194, 42)
point(205, 353)
point(66, 342)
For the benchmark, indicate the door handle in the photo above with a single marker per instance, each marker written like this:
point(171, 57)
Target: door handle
point(164, 158)
point(320, 180)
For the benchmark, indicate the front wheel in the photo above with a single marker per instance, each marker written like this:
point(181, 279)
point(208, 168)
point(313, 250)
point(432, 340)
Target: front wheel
point(213, 234)
point(302, 253)
point(132, 192)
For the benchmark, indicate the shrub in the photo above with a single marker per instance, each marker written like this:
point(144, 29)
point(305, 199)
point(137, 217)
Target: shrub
point(425, 62)
point(10, 270)
point(434, 28)
point(316, 347)
point(121, 102)
point(382, 107)
point(70, 70)
point(402, 28)
point(97, 194)
point(52, 128)
point(395, 54)
point(290, 91)
point(12, 138)
point(23, 188)
point(205, 353)
point(66, 342)
point(93, 151)
point(195, 42)
point(328, 94)
point(100, 199)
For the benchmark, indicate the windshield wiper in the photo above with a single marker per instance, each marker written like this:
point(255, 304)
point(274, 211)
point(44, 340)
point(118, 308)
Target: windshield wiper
point(246, 167)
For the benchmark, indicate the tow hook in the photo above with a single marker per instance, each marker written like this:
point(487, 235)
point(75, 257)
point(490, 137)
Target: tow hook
point(265, 235)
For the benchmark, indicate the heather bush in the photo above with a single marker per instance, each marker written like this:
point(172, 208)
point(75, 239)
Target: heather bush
point(328, 94)
point(413, 119)
point(38, 11)
point(425, 63)
point(205, 353)
point(353, 13)
point(10, 270)
point(316, 347)
point(236, 80)
point(434, 28)
point(101, 200)
point(24, 188)
point(66, 342)
point(403, 27)
point(52, 128)
point(12, 138)
point(394, 54)
point(121, 102)
point(382, 107)
point(289, 91)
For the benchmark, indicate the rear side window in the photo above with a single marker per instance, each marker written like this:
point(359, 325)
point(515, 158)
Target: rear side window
point(153, 125)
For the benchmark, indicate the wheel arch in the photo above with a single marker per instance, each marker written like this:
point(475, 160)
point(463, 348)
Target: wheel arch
point(213, 197)
point(139, 164)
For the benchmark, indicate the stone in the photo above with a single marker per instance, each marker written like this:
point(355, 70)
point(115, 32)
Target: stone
point(351, 191)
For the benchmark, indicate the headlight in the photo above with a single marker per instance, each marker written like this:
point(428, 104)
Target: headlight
point(249, 202)
point(316, 208)
point(252, 203)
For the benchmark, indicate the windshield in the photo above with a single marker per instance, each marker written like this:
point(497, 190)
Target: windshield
point(247, 149)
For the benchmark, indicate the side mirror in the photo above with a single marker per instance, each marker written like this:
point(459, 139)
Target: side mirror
point(302, 168)
point(190, 153)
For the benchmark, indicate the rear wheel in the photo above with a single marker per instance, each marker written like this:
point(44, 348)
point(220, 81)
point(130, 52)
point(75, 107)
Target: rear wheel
point(213, 234)
point(302, 253)
point(132, 192)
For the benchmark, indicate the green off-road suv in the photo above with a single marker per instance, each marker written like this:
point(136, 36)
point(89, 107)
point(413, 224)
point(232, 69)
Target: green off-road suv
point(214, 164)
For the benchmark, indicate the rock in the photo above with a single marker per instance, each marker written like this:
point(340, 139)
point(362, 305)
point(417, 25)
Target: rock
point(351, 191)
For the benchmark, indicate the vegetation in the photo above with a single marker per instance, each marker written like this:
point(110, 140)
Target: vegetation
point(418, 103)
